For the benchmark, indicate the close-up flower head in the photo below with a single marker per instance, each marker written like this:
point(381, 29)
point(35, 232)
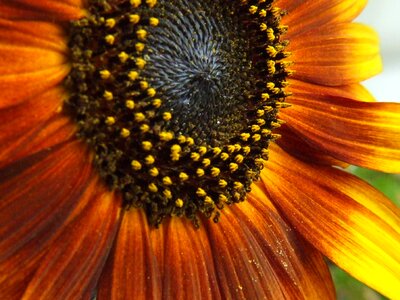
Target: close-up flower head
point(192, 149)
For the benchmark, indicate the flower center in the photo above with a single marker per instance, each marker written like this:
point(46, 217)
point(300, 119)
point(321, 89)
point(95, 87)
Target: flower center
point(178, 99)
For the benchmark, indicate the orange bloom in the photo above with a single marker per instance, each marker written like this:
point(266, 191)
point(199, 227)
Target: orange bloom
point(131, 130)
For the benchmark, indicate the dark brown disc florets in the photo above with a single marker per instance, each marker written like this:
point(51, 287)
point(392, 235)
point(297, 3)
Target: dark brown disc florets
point(178, 99)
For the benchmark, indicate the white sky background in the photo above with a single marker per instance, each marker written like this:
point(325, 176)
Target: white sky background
point(384, 16)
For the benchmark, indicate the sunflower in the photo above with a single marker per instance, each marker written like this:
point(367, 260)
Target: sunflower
point(191, 150)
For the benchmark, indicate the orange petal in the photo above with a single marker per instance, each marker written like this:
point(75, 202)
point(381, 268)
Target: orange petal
point(43, 136)
point(304, 15)
point(257, 255)
point(298, 147)
point(132, 270)
point(345, 218)
point(337, 54)
point(19, 120)
point(360, 133)
point(250, 253)
point(145, 266)
point(32, 60)
point(354, 91)
point(74, 261)
point(36, 34)
point(17, 59)
point(42, 9)
point(15, 88)
point(34, 208)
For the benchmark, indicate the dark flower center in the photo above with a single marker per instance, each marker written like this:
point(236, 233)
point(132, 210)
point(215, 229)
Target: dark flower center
point(177, 99)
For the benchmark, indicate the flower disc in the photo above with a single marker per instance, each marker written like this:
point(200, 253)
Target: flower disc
point(178, 99)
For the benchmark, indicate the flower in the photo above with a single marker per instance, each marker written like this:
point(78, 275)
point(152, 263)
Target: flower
point(97, 195)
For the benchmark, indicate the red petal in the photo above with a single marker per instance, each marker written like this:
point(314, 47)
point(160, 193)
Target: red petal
point(52, 132)
point(257, 255)
point(172, 262)
point(38, 194)
point(74, 261)
point(298, 147)
point(132, 270)
point(250, 254)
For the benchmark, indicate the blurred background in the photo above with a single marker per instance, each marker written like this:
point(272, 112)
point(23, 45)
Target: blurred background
point(383, 15)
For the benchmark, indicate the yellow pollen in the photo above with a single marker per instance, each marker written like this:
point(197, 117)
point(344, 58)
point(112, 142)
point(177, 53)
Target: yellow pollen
point(134, 19)
point(136, 165)
point(190, 141)
point(202, 150)
point(206, 162)
point(154, 22)
point(246, 150)
point(140, 117)
point(176, 148)
point(237, 185)
point(195, 156)
point(110, 121)
point(105, 74)
point(123, 57)
point(216, 150)
point(108, 95)
point(253, 9)
point(146, 145)
point(153, 188)
point(149, 160)
point(130, 104)
point(140, 63)
point(153, 172)
point(200, 172)
point(157, 103)
point(167, 194)
point(151, 3)
point(110, 23)
point(167, 116)
point(256, 137)
point(265, 96)
point(167, 180)
point(208, 200)
point(239, 158)
point(125, 133)
point(201, 193)
point(166, 136)
point(215, 171)
point(139, 47)
point(141, 34)
point(133, 75)
point(144, 128)
point(144, 85)
point(222, 183)
point(233, 167)
point(179, 203)
point(245, 136)
point(135, 3)
point(183, 176)
point(222, 198)
point(224, 156)
point(110, 39)
point(151, 92)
